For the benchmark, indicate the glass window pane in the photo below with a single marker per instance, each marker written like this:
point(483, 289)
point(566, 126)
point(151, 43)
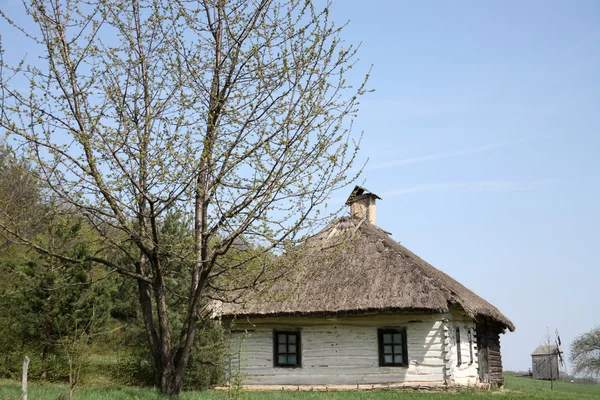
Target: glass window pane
point(292, 360)
point(397, 338)
point(282, 348)
point(281, 338)
point(387, 338)
point(398, 359)
point(292, 338)
point(283, 359)
point(291, 348)
point(387, 349)
point(388, 359)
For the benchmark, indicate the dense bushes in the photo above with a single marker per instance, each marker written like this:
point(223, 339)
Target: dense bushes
point(112, 343)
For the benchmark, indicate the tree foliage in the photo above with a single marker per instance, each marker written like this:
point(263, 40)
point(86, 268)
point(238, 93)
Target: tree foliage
point(20, 195)
point(585, 353)
point(44, 301)
point(234, 113)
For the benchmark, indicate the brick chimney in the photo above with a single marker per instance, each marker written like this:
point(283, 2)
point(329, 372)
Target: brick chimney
point(362, 204)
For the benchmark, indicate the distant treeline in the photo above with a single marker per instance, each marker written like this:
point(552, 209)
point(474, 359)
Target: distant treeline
point(563, 377)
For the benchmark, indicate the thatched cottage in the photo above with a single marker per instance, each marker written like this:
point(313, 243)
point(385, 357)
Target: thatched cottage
point(368, 314)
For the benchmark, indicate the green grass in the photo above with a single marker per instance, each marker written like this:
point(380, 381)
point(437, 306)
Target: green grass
point(515, 388)
point(534, 389)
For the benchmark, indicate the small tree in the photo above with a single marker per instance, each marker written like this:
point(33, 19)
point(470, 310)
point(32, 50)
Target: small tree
point(585, 353)
point(47, 301)
point(237, 113)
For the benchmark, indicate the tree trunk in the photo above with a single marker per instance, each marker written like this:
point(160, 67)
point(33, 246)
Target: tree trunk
point(168, 377)
point(44, 362)
point(171, 382)
point(145, 297)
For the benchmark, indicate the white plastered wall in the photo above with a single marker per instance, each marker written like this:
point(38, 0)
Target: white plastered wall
point(465, 374)
point(342, 351)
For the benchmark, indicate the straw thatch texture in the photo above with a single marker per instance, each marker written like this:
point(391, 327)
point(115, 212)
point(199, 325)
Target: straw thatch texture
point(354, 267)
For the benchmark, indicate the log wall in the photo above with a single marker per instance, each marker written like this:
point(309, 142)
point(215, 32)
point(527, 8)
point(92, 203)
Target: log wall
point(490, 357)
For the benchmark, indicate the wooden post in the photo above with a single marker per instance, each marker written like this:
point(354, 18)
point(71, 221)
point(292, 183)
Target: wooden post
point(551, 374)
point(24, 382)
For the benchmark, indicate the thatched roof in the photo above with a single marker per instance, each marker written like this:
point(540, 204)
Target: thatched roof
point(354, 267)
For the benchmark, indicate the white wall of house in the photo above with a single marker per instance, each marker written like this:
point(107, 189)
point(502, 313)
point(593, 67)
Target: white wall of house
point(466, 373)
point(344, 351)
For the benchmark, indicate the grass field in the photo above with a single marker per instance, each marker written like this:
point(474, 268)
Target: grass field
point(515, 388)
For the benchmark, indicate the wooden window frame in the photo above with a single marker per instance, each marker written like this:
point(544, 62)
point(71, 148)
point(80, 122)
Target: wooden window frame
point(276, 349)
point(380, 333)
point(458, 350)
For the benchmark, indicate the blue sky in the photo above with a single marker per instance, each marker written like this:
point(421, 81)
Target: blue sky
point(483, 138)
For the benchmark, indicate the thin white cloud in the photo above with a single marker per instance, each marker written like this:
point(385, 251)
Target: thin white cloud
point(481, 186)
point(438, 156)
point(450, 154)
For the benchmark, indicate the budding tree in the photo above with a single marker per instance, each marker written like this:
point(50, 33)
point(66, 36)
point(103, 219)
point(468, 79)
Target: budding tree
point(585, 353)
point(235, 113)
